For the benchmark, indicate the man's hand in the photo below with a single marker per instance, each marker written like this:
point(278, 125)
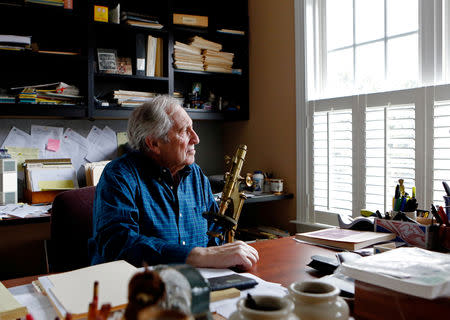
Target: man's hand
point(235, 254)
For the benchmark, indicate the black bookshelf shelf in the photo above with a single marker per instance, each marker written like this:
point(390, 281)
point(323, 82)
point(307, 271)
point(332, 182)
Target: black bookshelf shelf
point(127, 76)
point(123, 26)
point(42, 110)
point(207, 73)
point(265, 197)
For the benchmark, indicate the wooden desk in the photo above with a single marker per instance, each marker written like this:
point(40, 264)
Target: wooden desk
point(22, 246)
point(281, 260)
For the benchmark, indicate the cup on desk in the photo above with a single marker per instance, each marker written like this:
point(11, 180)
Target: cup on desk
point(276, 186)
point(318, 300)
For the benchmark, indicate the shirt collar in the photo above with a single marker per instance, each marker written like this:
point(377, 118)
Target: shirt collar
point(155, 169)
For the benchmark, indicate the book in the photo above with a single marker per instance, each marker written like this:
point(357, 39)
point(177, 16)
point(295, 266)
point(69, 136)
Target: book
point(410, 270)
point(344, 238)
point(9, 38)
point(10, 308)
point(72, 291)
point(159, 60)
point(143, 24)
point(231, 281)
point(151, 55)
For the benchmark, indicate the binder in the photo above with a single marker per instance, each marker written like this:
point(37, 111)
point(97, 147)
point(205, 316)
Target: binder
point(140, 54)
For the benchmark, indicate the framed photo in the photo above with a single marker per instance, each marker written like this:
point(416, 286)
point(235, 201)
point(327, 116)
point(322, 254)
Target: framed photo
point(124, 65)
point(107, 60)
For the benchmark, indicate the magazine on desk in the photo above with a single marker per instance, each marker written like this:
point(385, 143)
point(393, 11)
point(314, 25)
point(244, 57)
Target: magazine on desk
point(344, 238)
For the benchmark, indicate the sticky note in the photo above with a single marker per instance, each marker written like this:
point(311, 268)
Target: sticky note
point(53, 145)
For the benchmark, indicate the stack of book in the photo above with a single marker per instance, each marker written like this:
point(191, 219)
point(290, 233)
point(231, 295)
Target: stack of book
point(140, 20)
point(6, 98)
point(202, 55)
point(56, 3)
point(28, 95)
point(13, 42)
point(217, 61)
point(187, 57)
point(132, 99)
point(52, 93)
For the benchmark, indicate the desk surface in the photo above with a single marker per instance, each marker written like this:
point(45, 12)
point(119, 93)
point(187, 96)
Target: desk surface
point(281, 260)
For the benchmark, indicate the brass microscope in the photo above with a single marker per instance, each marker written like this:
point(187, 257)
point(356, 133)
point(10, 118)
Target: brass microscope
point(232, 200)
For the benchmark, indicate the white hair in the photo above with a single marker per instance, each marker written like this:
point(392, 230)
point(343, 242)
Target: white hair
point(152, 119)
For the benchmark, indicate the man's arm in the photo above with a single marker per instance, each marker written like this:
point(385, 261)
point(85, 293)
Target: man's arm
point(235, 254)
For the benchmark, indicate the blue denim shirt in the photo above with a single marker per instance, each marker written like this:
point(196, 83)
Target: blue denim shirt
point(140, 215)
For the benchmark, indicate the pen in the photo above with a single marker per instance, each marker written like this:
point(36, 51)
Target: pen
point(436, 215)
point(446, 188)
point(397, 192)
point(442, 215)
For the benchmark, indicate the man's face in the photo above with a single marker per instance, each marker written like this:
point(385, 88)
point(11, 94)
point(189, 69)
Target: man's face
point(179, 151)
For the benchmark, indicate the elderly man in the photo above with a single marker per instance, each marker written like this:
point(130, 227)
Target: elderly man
point(149, 203)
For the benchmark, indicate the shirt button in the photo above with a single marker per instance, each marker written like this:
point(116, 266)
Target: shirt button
point(171, 187)
point(181, 215)
point(183, 243)
point(164, 170)
point(159, 179)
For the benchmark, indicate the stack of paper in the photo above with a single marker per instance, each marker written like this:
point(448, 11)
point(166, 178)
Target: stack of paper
point(127, 98)
point(187, 57)
point(217, 61)
point(94, 171)
point(414, 271)
point(50, 174)
point(73, 291)
point(201, 43)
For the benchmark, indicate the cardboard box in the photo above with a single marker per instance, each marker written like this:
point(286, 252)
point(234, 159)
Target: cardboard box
point(412, 233)
point(34, 197)
point(100, 13)
point(190, 20)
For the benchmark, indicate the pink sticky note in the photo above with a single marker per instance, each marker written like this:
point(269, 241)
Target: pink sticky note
point(53, 145)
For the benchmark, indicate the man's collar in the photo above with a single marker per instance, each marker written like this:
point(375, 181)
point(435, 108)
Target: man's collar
point(158, 171)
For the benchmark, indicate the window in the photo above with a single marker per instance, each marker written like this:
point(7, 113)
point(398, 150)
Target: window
point(441, 149)
point(378, 103)
point(390, 154)
point(333, 161)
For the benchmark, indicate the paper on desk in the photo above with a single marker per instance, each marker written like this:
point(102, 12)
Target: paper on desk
point(37, 304)
point(228, 306)
point(40, 136)
point(23, 210)
point(17, 138)
point(103, 144)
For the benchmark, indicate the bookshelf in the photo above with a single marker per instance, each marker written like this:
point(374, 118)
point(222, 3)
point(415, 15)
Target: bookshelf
point(56, 29)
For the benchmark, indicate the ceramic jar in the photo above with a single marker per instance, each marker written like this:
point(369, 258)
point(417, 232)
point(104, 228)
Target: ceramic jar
point(317, 300)
point(268, 308)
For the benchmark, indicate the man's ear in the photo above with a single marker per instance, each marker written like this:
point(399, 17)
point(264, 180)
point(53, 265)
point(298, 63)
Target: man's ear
point(152, 145)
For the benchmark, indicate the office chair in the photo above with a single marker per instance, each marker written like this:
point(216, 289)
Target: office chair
point(71, 227)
